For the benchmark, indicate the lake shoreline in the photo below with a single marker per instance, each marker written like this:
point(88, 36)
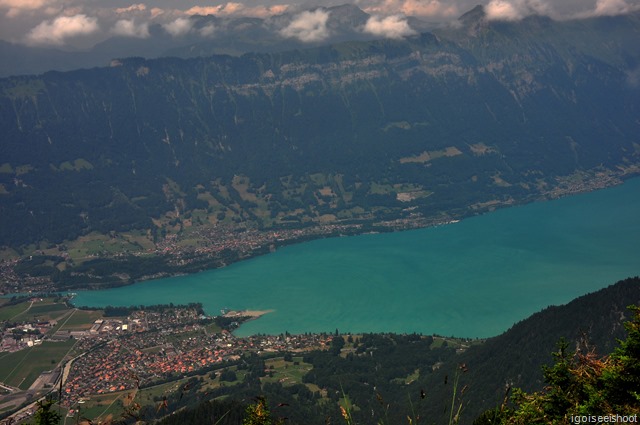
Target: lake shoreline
point(202, 263)
point(471, 279)
point(249, 314)
point(400, 225)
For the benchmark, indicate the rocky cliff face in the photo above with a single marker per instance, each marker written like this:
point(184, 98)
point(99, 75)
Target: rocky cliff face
point(488, 113)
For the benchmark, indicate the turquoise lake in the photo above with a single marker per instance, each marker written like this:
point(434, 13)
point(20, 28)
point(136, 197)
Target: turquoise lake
point(474, 278)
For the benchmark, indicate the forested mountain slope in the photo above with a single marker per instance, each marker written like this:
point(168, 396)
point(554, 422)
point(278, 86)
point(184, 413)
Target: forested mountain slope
point(427, 128)
point(388, 378)
point(515, 358)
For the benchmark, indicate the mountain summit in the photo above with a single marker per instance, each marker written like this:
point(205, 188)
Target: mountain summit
point(473, 16)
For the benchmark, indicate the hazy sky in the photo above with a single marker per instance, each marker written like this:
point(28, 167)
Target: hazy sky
point(64, 23)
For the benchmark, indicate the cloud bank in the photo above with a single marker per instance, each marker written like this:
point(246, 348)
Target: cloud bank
point(179, 27)
point(15, 8)
point(128, 28)
point(238, 9)
point(140, 7)
point(434, 9)
point(208, 30)
point(308, 26)
point(59, 22)
point(614, 7)
point(500, 9)
point(390, 27)
point(55, 32)
point(511, 10)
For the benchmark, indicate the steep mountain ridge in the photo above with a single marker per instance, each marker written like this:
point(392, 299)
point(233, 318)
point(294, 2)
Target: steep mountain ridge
point(428, 128)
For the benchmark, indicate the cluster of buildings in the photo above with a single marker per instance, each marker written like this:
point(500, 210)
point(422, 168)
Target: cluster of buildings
point(211, 241)
point(12, 283)
point(584, 183)
point(156, 346)
point(217, 238)
point(23, 336)
point(16, 336)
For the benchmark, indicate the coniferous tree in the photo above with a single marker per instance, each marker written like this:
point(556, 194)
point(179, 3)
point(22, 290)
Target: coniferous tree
point(45, 415)
point(581, 384)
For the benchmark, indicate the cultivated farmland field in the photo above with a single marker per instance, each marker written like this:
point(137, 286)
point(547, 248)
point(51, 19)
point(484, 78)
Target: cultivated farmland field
point(81, 320)
point(42, 311)
point(20, 369)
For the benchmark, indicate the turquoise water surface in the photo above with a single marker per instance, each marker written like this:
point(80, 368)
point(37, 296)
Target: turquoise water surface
point(474, 278)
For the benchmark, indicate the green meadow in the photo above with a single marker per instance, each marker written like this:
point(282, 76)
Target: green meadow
point(20, 369)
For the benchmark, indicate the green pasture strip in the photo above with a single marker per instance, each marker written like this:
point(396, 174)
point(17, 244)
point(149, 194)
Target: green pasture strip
point(43, 312)
point(100, 406)
point(20, 369)
point(9, 312)
point(212, 328)
point(82, 320)
point(287, 373)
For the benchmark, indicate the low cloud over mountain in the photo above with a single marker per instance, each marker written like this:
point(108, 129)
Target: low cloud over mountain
point(77, 23)
point(42, 35)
